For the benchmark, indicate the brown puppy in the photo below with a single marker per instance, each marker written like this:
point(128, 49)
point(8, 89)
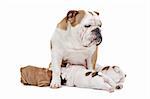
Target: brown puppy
point(31, 75)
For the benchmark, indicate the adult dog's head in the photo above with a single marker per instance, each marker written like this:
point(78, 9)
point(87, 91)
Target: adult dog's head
point(84, 26)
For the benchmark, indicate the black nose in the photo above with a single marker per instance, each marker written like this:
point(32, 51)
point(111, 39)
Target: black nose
point(117, 87)
point(97, 30)
point(98, 38)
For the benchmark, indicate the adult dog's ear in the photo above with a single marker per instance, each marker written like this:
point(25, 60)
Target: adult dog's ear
point(71, 16)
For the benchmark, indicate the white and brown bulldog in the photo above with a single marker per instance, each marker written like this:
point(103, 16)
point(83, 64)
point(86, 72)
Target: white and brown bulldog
point(75, 41)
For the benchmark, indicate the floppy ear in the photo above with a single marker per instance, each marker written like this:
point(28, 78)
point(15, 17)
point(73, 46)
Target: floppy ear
point(96, 12)
point(94, 74)
point(71, 16)
point(116, 69)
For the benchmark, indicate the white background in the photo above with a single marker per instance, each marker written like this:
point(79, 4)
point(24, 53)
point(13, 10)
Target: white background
point(26, 27)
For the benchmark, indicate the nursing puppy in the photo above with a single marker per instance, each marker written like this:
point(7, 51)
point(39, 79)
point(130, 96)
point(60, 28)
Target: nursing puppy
point(79, 76)
point(75, 42)
point(115, 73)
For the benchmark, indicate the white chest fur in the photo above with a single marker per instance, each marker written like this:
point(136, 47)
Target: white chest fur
point(76, 56)
point(70, 47)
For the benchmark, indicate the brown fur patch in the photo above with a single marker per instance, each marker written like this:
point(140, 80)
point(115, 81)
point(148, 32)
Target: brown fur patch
point(76, 19)
point(105, 68)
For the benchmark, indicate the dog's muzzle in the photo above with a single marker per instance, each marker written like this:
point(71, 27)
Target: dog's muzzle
point(97, 33)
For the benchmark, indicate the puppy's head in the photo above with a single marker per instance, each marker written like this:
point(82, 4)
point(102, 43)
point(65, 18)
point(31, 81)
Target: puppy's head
point(115, 73)
point(85, 26)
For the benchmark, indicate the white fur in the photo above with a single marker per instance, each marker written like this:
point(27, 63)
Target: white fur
point(75, 76)
point(67, 45)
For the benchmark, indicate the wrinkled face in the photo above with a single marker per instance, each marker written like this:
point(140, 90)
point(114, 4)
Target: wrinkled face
point(90, 30)
point(85, 26)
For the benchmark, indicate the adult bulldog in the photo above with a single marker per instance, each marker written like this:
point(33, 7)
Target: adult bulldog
point(75, 42)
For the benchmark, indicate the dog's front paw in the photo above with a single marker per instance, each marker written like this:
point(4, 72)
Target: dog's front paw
point(55, 83)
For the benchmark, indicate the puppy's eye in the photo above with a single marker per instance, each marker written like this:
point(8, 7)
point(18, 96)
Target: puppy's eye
point(87, 26)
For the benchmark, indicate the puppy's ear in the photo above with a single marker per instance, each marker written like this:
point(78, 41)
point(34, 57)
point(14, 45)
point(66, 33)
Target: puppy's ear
point(96, 12)
point(116, 69)
point(71, 16)
point(94, 74)
point(105, 68)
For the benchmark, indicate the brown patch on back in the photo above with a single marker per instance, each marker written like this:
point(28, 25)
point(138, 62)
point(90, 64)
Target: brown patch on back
point(74, 17)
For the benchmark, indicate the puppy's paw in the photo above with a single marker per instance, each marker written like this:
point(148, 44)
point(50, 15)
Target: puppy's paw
point(55, 83)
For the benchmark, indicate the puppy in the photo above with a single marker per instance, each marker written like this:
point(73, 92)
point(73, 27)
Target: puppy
point(31, 75)
point(113, 72)
point(79, 76)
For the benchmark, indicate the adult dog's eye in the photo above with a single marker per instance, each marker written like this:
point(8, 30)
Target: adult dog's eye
point(87, 26)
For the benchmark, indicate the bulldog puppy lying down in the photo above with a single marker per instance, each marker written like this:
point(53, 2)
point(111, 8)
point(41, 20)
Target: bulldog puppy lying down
point(79, 76)
point(73, 75)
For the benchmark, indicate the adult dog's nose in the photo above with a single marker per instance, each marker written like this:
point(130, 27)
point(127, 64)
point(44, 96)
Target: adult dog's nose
point(98, 38)
point(97, 30)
